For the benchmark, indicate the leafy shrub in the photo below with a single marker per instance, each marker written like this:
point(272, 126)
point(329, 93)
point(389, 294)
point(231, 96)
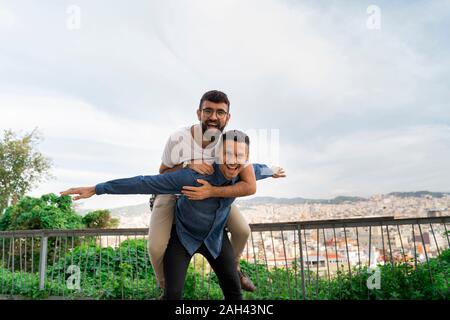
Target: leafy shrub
point(47, 212)
point(120, 275)
point(52, 212)
point(100, 219)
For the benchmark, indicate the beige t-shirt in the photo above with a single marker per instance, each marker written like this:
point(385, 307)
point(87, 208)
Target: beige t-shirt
point(182, 147)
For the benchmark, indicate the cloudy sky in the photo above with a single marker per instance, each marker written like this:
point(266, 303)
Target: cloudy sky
point(358, 95)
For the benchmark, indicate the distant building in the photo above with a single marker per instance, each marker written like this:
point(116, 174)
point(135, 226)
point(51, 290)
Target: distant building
point(426, 238)
point(431, 213)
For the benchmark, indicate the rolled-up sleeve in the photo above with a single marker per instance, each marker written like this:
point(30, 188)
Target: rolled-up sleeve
point(262, 171)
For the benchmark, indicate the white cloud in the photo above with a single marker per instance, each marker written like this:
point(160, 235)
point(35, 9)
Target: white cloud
point(64, 118)
point(83, 141)
point(358, 111)
point(7, 19)
point(367, 162)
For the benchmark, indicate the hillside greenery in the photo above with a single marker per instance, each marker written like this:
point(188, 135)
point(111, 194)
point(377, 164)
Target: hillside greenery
point(52, 212)
point(124, 272)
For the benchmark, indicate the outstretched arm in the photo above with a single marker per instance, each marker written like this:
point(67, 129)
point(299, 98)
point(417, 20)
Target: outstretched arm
point(170, 183)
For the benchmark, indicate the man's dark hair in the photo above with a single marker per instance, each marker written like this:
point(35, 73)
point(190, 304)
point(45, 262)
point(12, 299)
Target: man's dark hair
point(216, 97)
point(236, 135)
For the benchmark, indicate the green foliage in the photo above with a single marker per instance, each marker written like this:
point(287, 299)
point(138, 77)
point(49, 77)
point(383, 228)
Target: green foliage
point(397, 281)
point(130, 259)
point(22, 166)
point(100, 219)
point(21, 283)
point(107, 273)
point(124, 272)
point(52, 212)
point(47, 212)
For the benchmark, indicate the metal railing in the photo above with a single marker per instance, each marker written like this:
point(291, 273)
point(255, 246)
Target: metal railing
point(292, 260)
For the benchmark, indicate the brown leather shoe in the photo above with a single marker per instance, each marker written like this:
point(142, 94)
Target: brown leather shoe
point(246, 283)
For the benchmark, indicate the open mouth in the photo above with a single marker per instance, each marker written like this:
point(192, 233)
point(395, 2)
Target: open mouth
point(232, 168)
point(212, 125)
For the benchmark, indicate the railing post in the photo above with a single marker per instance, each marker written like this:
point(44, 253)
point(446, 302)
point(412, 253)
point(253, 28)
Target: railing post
point(43, 262)
point(302, 266)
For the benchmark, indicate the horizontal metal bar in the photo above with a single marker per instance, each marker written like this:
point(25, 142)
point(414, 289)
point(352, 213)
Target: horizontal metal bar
point(278, 226)
point(74, 232)
point(339, 223)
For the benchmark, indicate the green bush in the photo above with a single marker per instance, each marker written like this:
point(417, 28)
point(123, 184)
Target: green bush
point(46, 212)
point(100, 219)
point(52, 212)
point(121, 276)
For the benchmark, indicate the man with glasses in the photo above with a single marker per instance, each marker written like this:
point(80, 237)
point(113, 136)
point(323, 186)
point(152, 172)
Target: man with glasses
point(199, 225)
point(196, 147)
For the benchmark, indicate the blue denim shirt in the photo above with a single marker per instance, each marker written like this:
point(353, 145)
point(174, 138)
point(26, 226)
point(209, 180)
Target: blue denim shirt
point(197, 221)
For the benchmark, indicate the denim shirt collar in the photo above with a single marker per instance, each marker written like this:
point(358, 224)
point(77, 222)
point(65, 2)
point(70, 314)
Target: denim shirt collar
point(221, 178)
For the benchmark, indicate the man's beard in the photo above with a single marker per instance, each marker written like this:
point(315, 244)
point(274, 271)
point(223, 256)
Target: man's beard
point(212, 133)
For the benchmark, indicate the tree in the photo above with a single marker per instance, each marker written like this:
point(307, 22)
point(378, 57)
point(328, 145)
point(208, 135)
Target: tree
point(22, 166)
point(52, 212)
point(47, 212)
point(100, 219)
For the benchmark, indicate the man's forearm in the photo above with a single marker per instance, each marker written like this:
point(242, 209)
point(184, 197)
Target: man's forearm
point(243, 188)
point(240, 189)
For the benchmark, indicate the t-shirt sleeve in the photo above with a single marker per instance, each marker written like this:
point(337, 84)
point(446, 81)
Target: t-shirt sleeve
point(177, 146)
point(168, 157)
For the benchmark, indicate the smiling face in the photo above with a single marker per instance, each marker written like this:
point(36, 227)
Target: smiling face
point(213, 116)
point(235, 156)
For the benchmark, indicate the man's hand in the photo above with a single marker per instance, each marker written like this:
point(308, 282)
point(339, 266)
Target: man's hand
point(202, 168)
point(82, 192)
point(278, 172)
point(198, 193)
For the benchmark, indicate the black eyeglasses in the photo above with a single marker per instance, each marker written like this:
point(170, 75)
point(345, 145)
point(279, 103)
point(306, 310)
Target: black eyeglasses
point(209, 112)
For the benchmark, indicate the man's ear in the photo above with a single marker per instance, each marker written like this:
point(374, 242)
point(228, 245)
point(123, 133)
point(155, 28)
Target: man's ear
point(227, 119)
point(199, 115)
